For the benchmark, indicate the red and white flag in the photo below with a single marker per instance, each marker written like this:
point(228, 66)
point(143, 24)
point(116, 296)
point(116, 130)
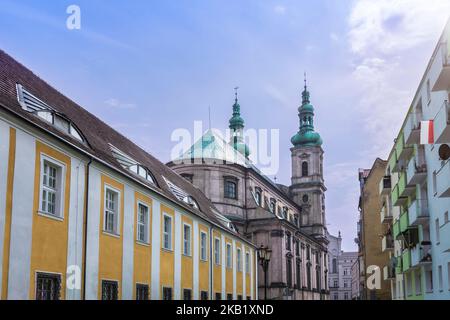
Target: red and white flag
point(426, 132)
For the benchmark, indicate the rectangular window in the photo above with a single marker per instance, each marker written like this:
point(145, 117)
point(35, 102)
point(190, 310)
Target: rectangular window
point(441, 282)
point(187, 294)
point(142, 223)
point(249, 298)
point(48, 286)
point(345, 295)
point(228, 254)
point(229, 296)
point(187, 240)
point(217, 251)
point(247, 262)
point(203, 295)
point(142, 291)
point(298, 273)
point(167, 293)
point(418, 282)
point(239, 259)
point(167, 232)
point(429, 281)
point(239, 297)
point(51, 186)
point(203, 246)
point(289, 273)
point(448, 275)
point(288, 241)
point(110, 290)
point(218, 296)
point(111, 211)
point(438, 236)
point(230, 189)
point(428, 91)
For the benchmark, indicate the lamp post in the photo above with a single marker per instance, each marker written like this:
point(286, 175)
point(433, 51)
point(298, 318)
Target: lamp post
point(264, 259)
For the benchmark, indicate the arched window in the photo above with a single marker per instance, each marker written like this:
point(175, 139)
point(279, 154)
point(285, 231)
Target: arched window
point(304, 169)
point(230, 189)
point(258, 196)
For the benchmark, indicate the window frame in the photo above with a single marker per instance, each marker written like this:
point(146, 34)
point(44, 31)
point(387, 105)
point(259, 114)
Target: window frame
point(217, 251)
point(146, 225)
point(229, 264)
point(163, 293)
point(116, 231)
point(142, 285)
point(52, 276)
point(185, 253)
point(110, 282)
point(59, 188)
point(233, 181)
point(239, 259)
point(166, 215)
point(205, 247)
point(247, 262)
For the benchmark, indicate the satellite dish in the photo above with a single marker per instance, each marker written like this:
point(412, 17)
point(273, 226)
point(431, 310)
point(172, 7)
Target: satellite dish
point(444, 152)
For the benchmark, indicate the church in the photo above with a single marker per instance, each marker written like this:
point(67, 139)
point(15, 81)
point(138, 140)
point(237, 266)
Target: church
point(286, 221)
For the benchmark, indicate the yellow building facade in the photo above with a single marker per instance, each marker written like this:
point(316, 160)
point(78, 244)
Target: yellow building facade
point(86, 214)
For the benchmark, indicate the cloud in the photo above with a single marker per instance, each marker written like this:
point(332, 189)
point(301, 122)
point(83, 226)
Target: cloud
point(387, 26)
point(117, 104)
point(334, 37)
point(279, 9)
point(388, 41)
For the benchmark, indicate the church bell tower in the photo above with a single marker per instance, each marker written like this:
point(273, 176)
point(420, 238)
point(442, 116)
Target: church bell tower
point(307, 185)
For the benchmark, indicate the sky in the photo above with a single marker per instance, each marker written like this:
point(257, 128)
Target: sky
point(148, 68)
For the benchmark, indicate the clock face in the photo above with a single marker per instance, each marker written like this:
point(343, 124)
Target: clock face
point(305, 198)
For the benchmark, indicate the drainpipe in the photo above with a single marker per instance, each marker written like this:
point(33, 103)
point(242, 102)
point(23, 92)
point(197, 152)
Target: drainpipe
point(86, 208)
point(211, 263)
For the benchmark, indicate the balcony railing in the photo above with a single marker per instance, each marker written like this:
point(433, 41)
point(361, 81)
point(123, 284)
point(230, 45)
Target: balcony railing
point(443, 180)
point(387, 243)
point(386, 215)
point(416, 171)
point(404, 221)
point(418, 212)
point(396, 229)
point(405, 189)
point(442, 124)
point(440, 68)
point(412, 128)
point(421, 255)
point(399, 265)
point(406, 260)
point(385, 185)
point(396, 199)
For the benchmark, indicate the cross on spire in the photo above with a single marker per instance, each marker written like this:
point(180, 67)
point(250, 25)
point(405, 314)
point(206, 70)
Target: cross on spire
point(305, 78)
point(236, 93)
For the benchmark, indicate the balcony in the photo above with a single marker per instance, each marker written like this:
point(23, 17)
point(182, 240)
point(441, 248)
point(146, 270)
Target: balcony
point(388, 273)
point(396, 229)
point(443, 181)
point(396, 199)
point(441, 124)
point(403, 151)
point(412, 128)
point(387, 243)
point(406, 260)
point(386, 216)
point(385, 185)
point(405, 189)
point(440, 68)
point(404, 221)
point(416, 172)
point(421, 255)
point(418, 212)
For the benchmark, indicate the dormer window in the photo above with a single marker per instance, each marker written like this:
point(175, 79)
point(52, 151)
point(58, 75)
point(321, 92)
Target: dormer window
point(132, 165)
point(191, 201)
point(142, 172)
point(38, 107)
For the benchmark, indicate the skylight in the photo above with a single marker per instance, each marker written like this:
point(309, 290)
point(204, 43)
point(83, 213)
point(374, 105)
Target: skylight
point(34, 105)
point(181, 194)
point(132, 165)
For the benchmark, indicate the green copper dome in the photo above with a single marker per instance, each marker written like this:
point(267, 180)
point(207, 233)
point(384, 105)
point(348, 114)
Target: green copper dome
point(306, 136)
point(236, 122)
point(237, 128)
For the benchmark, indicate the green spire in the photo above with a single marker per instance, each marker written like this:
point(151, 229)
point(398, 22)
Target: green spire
point(306, 136)
point(237, 128)
point(236, 122)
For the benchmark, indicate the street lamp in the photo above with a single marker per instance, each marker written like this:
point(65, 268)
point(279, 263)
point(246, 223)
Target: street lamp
point(264, 258)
